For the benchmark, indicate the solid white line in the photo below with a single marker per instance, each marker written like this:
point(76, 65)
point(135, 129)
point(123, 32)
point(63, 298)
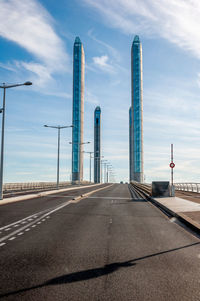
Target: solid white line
point(12, 238)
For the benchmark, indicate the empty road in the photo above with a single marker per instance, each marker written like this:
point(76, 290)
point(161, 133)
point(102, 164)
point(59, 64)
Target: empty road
point(108, 246)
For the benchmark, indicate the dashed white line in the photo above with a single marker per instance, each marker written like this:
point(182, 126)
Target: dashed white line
point(27, 229)
point(39, 223)
point(16, 226)
point(33, 226)
point(12, 238)
point(2, 244)
point(43, 219)
point(23, 223)
point(7, 229)
point(20, 233)
point(110, 220)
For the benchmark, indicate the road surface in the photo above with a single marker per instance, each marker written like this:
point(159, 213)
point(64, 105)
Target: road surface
point(108, 246)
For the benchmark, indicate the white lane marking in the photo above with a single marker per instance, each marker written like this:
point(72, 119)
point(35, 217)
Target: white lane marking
point(16, 232)
point(108, 197)
point(39, 223)
point(12, 238)
point(27, 229)
point(7, 229)
point(2, 244)
point(43, 219)
point(33, 226)
point(46, 215)
point(16, 226)
point(35, 215)
point(30, 219)
point(17, 222)
point(23, 222)
point(20, 233)
point(110, 220)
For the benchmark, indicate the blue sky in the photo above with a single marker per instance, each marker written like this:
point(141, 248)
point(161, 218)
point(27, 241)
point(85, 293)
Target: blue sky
point(36, 42)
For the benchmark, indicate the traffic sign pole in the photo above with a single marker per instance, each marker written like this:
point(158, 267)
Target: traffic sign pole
point(172, 165)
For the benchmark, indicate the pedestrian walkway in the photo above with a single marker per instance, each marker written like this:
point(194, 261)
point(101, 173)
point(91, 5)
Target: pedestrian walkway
point(187, 210)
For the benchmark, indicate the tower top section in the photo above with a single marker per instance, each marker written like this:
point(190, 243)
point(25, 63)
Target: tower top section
point(98, 109)
point(136, 39)
point(77, 41)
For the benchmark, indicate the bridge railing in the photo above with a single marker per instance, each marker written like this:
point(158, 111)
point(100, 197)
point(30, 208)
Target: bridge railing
point(32, 185)
point(194, 187)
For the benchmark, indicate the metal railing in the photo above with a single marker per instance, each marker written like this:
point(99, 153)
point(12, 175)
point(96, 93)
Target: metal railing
point(32, 186)
point(193, 187)
point(142, 188)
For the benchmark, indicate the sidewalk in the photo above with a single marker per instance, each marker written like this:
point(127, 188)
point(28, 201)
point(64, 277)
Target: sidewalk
point(187, 211)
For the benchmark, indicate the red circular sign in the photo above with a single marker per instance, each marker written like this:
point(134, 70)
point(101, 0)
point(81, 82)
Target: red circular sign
point(172, 165)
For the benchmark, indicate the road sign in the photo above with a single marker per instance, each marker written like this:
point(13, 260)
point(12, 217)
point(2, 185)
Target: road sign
point(172, 165)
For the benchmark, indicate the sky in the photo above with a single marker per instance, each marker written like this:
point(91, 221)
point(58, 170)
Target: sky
point(36, 42)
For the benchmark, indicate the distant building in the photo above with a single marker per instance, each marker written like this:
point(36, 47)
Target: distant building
point(97, 145)
point(136, 124)
point(78, 111)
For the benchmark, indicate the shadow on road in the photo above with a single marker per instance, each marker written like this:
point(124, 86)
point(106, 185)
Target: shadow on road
point(94, 273)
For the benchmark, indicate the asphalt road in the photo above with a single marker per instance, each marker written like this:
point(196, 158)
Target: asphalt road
point(105, 247)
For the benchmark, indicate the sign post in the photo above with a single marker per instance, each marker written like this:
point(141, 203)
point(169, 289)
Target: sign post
point(172, 165)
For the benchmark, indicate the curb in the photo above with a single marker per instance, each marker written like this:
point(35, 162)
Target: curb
point(82, 196)
point(180, 216)
point(40, 194)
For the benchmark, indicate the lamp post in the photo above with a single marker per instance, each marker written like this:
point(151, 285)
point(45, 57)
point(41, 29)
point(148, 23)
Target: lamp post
point(79, 143)
point(103, 162)
point(90, 163)
point(58, 157)
point(108, 165)
point(4, 87)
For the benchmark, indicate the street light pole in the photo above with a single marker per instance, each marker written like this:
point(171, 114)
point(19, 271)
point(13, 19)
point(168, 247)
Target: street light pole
point(90, 164)
point(58, 156)
point(58, 161)
point(79, 143)
point(4, 87)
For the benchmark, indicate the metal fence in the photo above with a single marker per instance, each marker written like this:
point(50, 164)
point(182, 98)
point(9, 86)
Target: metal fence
point(194, 187)
point(32, 185)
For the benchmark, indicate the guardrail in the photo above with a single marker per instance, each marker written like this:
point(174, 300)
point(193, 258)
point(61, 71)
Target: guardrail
point(33, 185)
point(193, 187)
point(142, 188)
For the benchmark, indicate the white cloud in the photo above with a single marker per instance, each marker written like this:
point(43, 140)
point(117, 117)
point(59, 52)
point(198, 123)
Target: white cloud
point(175, 20)
point(111, 50)
point(28, 24)
point(102, 63)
